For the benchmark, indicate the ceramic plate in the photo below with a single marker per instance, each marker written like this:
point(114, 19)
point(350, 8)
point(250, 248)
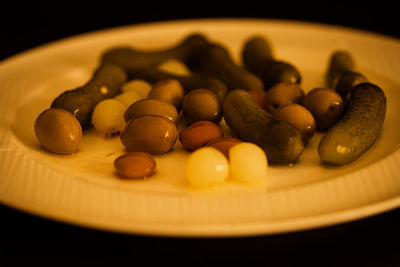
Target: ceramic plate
point(82, 189)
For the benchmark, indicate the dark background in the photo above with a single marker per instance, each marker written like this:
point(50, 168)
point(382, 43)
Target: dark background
point(29, 240)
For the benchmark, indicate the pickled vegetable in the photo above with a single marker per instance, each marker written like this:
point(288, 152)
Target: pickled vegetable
point(105, 83)
point(202, 104)
point(326, 106)
point(139, 86)
point(154, 107)
point(135, 165)
point(108, 117)
point(216, 61)
point(358, 130)
point(128, 98)
point(58, 131)
point(151, 134)
point(206, 167)
point(170, 91)
point(298, 116)
point(248, 163)
point(258, 58)
point(134, 60)
point(281, 94)
point(281, 141)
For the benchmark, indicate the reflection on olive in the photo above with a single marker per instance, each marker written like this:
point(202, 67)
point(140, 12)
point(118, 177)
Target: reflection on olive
point(155, 135)
point(149, 106)
point(299, 117)
point(326, 106)
point(282, 94)
point(170, 91)
point(58, 131)
point(202, 104)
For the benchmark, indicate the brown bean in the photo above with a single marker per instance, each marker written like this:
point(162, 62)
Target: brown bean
point(199, 134)
point(135, 165)
point(224, 144)
point(155, 135)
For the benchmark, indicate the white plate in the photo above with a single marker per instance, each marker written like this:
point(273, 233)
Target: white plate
point(82, 189)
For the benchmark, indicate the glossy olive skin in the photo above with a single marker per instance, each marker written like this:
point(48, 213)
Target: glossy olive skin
point(58, 131)
point(151, 134)
point(202, 104)
point(258, 58)
point(154, 107)
point(281, 94)
point(299, 117)
point(188, 82)
point(326, 106)
point(170, 91)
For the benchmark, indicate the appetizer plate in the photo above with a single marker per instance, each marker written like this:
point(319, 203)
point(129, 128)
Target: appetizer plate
point(82, 189)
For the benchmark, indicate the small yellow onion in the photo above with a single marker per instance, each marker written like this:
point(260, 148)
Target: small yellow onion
point(248, 163)
point(128, 98)
point(139, 86)
point(206, 167)
point(108, 117)
point(175, 67)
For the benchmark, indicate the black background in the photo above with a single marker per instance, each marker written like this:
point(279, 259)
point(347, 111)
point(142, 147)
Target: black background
point(29, 240)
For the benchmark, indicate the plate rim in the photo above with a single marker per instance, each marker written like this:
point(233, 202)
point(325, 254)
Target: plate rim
point(357, 213)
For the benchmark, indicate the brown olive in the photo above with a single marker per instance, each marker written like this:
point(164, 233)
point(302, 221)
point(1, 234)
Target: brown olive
point(58, 131)
point(326, 105)
point(155, 135)
point(299, 117)
point(170, 91)
point(202, 104)
point(149, 106)
point(281, 94)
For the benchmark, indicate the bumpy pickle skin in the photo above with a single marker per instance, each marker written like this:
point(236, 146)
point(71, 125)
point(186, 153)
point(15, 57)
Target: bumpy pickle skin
point(105, 83)
point(282, 142)
point(358, 130)
point(141, 64)
point(135, 60)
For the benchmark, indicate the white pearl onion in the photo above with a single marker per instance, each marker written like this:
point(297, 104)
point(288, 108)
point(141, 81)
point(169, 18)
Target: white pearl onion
point(248, 163)
point(108, 117)
point(206, 167)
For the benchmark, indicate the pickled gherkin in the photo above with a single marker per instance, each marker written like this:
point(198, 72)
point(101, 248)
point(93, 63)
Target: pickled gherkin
point(105, 83)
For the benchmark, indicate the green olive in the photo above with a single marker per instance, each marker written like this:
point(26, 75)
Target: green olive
point(281, 94)
point(170, 91)
point(149, 106)
point(155, 135)
point(326, 105)
point(299, 117)
point(58, 131)
point(202, 104)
